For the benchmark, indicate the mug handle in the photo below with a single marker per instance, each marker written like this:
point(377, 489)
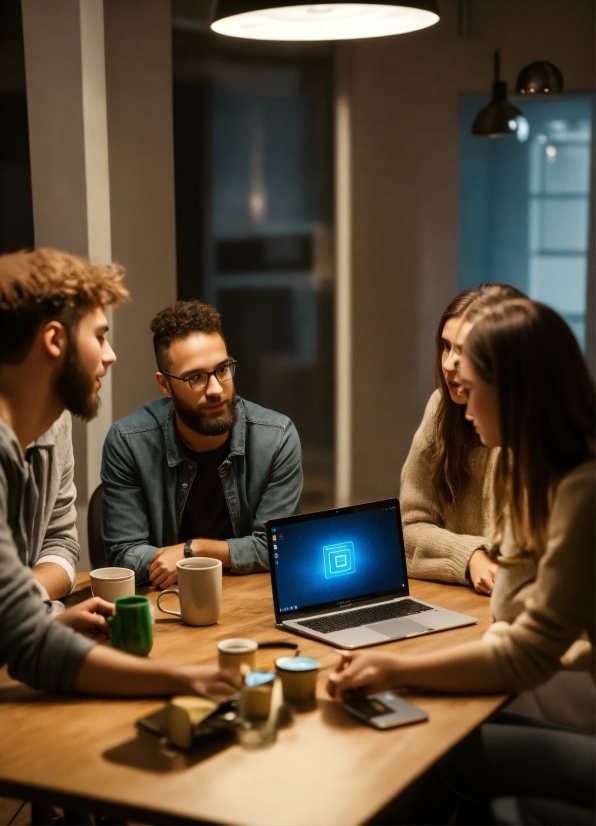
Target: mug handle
point(165, 610)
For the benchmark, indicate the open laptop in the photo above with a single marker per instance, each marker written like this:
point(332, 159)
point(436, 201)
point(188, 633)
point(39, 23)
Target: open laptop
point(340, 576)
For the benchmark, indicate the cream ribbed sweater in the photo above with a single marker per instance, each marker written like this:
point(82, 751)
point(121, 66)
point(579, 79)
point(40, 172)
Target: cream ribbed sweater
point(439, 543)
point(559, 607)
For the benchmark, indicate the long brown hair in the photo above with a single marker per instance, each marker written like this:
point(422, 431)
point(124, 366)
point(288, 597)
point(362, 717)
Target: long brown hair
point(546, 410)
point(454, 436)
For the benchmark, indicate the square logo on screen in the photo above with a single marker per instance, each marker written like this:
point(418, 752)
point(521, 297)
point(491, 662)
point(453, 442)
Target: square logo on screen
point(339, 559)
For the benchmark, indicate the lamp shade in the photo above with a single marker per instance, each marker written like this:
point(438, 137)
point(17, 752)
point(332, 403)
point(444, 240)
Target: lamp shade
point(499, 118)
point(539, 78)
point(295, 20)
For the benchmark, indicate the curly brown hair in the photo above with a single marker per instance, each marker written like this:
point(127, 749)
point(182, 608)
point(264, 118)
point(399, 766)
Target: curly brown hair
point(45, 285)
point(179, 320)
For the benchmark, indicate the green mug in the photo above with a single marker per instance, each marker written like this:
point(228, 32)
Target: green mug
point(131, 625)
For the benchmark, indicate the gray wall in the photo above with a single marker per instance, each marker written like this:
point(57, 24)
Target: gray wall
point(404, 102)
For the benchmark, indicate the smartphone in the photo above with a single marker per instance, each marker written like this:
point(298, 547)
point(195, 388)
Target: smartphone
point(385, 710)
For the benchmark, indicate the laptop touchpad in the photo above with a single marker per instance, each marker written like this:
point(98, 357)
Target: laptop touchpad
point(398, 627)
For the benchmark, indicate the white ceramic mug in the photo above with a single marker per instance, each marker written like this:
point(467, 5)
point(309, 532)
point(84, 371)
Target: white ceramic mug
point(110, 583)
point(199, 591)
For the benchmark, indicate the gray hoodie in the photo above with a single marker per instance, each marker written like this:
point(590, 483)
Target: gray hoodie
point(38, 651)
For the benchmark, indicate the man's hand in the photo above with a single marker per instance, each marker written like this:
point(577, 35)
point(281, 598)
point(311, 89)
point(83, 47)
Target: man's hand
point(111, 673)
point(162, 571)
point(482, 572)
point(209, 681)
point(362, 673)
point(88, 616)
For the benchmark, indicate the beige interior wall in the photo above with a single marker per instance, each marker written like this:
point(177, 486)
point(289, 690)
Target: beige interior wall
point(59, 155)
point(52, 40)
point(140, 204)
point(140, 136)
point(404, 144)
point(105, 197)
point(404, 106)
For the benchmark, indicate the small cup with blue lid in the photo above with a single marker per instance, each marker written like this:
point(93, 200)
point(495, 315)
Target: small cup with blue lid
point(299, 679)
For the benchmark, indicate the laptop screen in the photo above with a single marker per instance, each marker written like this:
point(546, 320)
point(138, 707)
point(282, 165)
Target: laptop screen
point(322, 559)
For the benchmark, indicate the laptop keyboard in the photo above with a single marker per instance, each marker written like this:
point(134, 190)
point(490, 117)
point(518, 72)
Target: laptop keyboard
point(365, 616)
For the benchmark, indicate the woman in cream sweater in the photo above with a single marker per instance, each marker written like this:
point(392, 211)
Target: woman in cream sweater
point(447, 478)
point(530, 393)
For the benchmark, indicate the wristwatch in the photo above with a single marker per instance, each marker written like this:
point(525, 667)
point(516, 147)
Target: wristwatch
point(188, 554)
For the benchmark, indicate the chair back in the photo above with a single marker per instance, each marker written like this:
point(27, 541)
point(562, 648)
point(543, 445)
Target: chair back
point(96, 552)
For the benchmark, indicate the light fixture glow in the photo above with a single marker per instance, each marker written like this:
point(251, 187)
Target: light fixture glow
point(320, 21)
point(523, 129)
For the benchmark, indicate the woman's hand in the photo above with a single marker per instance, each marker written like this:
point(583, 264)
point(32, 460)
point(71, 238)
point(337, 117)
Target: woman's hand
point(88, 617)
point(482, 572)
point(362, 673)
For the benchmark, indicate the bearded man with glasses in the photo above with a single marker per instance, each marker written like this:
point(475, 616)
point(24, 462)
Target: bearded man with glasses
point(200, 470)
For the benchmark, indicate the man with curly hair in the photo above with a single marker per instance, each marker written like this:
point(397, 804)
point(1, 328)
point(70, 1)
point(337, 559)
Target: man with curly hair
point(53, 355)
point(47, 541)
point(199, 471)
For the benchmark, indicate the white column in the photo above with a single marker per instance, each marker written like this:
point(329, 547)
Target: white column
point(52, 38)
point(97, 177)
point(343, 288)
point(138, 36)
point(66, 98)
point(99, 96)
point(591, 290)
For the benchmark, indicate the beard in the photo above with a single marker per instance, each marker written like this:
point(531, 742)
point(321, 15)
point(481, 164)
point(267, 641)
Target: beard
point(208, 425)
point(75, 387)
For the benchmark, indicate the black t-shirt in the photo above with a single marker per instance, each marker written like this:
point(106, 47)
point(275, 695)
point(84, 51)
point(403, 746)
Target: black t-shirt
point(206, 514)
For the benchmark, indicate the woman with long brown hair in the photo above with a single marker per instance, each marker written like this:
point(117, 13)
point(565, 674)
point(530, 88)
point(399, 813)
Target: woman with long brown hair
point(446, 479)
point(528, 392)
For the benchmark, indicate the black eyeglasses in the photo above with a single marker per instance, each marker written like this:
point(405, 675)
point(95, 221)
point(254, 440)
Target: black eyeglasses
point(225, 372)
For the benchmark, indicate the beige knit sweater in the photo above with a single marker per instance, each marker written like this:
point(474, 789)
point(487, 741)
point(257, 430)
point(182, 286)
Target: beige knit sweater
point(560, 606)
point(439, 542)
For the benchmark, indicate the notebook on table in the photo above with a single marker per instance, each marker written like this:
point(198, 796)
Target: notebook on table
point(340, 577)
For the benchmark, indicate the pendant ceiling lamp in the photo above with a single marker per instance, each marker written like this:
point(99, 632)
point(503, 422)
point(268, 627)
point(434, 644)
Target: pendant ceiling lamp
point(499, 118)
point(540, 77)
point(295, 20)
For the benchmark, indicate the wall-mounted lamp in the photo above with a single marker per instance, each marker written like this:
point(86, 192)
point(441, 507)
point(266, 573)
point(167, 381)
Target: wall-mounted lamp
point(499, 117)
point(295, 20)
point(540, 77)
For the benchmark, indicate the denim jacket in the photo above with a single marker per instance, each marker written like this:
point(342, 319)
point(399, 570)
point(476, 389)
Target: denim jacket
point(147, 476)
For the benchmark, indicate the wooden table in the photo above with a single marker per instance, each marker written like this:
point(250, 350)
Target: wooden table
point(324, 769)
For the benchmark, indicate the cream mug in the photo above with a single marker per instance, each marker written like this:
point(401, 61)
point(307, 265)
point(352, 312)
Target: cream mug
point(235, 652)
point(111, 583)
point(199, 591)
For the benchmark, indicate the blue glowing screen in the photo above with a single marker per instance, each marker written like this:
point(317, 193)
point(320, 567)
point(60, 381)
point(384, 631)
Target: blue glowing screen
point(337, 557)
